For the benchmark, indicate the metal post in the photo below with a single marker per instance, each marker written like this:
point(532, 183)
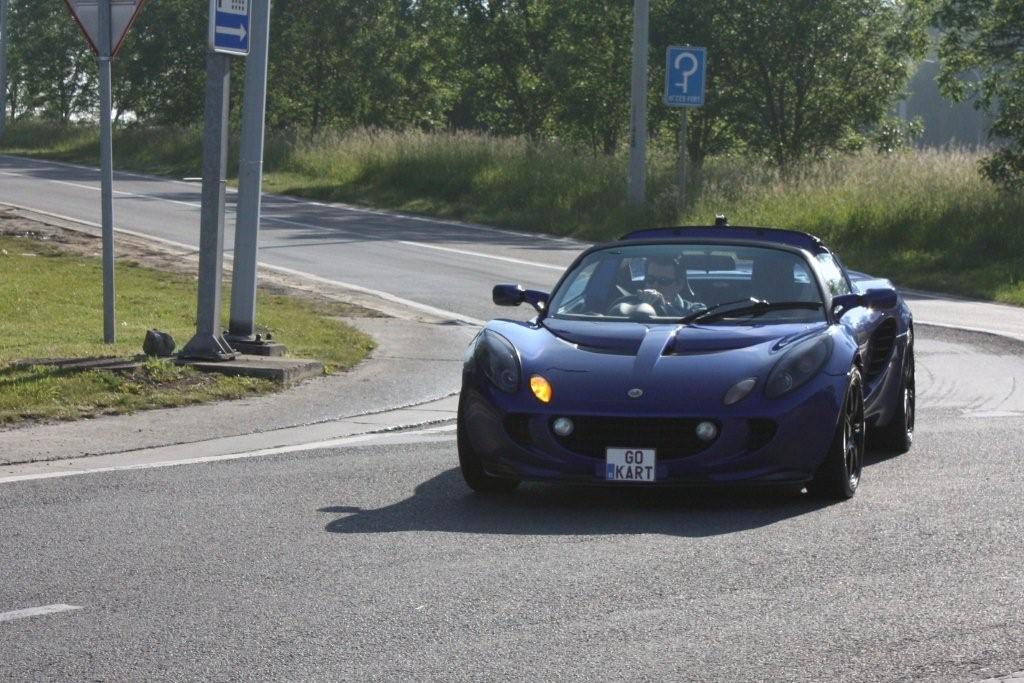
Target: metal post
point(638, 120)
point(684, 118)
point(106, 171)
point(3, 67)
point(242, 325)
point(208, 343)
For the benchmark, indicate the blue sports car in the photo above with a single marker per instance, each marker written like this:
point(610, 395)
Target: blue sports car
point(695, 355)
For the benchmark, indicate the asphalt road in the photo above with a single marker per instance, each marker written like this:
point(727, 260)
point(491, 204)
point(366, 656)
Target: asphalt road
point(446, 265)
point(374, 562)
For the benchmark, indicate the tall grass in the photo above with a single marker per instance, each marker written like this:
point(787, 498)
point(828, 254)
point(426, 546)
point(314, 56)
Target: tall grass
point(928, 219)
point(546, 186)
point(925, 218)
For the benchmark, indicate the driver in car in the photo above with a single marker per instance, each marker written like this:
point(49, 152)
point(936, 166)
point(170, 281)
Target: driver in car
point(665, 285)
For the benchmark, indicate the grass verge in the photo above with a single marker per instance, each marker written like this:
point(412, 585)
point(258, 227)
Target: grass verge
point(926, 218)
point(49, 309)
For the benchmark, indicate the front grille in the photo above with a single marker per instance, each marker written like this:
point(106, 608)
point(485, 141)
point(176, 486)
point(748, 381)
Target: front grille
point(672, 438)
point(761, 432)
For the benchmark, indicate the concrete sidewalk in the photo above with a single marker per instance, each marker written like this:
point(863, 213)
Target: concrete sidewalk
point(416, 363)
point(966, 314)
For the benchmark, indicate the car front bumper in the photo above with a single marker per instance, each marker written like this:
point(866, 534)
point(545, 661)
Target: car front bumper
point(780, 447)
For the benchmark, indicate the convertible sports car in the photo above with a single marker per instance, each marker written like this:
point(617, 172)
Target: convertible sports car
point(695, 355)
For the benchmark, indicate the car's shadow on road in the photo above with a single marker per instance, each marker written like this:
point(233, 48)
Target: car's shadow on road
point(445, 504)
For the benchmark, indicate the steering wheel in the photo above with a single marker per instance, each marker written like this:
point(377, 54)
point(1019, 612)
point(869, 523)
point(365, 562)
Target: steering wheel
point(636, 310)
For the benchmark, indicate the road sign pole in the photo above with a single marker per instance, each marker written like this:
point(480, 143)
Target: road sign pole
point(638, 120)
point(3, 67)
point(684, 119)
point(105, 48)
point(242, 326)
point(208, 343)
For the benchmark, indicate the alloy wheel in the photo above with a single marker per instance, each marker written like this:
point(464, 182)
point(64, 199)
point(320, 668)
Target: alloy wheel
point(853, 435)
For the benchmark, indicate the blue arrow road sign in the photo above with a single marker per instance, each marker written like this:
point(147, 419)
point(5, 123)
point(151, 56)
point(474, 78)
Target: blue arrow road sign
point(229, 26)
point(686, 76)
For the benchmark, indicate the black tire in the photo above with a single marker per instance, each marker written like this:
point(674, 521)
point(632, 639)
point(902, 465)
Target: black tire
point(473, 470)
point(839, 475)
point(898, 435)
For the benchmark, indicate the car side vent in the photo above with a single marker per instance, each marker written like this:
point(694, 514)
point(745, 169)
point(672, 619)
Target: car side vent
point(880, 348)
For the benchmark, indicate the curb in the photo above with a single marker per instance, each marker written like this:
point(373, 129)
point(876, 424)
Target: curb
point(256, 444)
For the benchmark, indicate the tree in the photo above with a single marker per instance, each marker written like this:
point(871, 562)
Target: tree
point(589, 72)
point(506, 45)
point(711, 129)
point(804, 74)
point(52, 71)
point(545, 68)
point(982, 52)
point(160, 71)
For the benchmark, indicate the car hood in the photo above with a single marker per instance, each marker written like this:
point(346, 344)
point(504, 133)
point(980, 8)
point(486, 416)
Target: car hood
point(592, 366)
point(627, 338)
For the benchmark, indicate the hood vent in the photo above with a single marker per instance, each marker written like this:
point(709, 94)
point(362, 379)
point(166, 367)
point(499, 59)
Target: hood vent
point(607, 350)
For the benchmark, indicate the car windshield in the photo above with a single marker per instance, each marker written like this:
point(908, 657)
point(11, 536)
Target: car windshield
point(672, 282)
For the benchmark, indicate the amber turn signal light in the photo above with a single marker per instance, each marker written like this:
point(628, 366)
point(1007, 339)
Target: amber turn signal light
point(541, 388)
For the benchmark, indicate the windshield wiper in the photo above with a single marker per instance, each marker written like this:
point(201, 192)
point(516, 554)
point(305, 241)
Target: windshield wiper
point(749, 306)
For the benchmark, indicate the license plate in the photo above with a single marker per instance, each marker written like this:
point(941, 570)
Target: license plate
point(630, 464)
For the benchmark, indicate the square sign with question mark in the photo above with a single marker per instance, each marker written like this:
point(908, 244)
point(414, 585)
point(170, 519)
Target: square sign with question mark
point(686, 76)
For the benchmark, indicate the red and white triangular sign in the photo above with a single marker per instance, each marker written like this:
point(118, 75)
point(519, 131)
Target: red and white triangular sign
point(122, 16)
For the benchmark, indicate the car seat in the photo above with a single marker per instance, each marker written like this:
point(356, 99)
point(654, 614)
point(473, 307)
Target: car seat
point(773, 278)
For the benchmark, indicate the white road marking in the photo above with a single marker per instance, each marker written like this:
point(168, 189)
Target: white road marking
point(477, 254)
point(67, 164)
point(990, 414)
point(428, 219)
point(408, 303)
point(36, 612)
point(359, 439)
point(387, 296)
point(134, 195)
point(334, 205)
point(300, 224)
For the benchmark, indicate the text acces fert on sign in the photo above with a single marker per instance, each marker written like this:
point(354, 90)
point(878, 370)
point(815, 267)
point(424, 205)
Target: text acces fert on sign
point(686, 76)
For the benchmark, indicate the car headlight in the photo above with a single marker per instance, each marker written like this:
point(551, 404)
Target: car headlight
point(497, 359)
point(798, 366)
point(739, 391)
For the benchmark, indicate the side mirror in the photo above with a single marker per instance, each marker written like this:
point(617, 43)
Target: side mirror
point(514, 295)
point(508, 295)
point(873, 298)
point(845, 302)
point(885, 299)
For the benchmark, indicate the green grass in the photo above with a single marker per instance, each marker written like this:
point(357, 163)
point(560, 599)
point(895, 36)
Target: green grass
point(51, 307)
point(925, 219)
